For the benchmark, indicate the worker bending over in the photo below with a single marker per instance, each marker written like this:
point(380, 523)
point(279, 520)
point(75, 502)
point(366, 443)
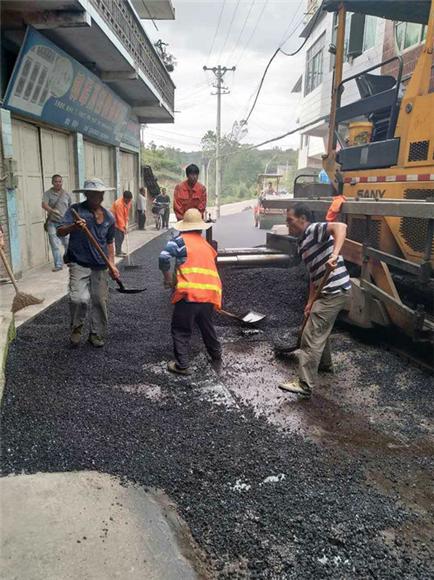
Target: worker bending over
point(88, 278)
point(197, 290)
point(319, 245)
point(189, 193)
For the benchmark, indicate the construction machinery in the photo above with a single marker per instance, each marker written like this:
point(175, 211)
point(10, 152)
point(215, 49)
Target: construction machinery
point(268, 188)
point(387, 171)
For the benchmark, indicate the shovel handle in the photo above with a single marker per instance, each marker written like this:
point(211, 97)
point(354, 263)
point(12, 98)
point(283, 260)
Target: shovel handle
point(317, 294)
point(96, 245)
point(8, 269)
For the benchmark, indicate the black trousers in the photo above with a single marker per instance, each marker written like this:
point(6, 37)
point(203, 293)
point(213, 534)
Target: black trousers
point(185, 315)
point(141, 218)
point(119, 239)
point(166, 217)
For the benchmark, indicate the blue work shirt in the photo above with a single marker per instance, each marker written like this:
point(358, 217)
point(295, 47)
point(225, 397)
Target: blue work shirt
point(80, 250)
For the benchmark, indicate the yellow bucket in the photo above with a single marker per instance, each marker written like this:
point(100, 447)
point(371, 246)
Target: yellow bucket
point(359, 132)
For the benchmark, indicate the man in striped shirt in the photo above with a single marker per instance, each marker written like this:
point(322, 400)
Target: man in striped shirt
point(319, 246)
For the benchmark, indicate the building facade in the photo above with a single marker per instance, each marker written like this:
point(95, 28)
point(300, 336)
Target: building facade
point(78, 79)
point(315, 85)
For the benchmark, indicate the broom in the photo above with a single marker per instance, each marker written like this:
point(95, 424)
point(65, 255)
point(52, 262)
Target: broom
point(20, 300)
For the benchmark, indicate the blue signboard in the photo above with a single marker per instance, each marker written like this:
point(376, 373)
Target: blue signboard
point(49, 85)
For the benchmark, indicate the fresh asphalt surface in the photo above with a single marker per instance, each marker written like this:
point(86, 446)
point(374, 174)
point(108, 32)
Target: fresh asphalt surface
point(262, 497)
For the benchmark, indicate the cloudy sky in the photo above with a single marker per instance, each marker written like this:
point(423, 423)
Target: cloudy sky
point(244, 33)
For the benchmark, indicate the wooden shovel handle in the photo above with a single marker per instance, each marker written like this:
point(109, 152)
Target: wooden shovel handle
point(8, 269)
point(317, 294)
point(94, 243)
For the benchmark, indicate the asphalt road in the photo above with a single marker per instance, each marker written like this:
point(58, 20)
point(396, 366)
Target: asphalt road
point(238, 231)
point(270, 487)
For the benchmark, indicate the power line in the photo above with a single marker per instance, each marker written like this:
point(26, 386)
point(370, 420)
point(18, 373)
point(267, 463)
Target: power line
point(274, 56)
point(216, 30)
point(229, 29)
point(242, 29)
point(253, 32)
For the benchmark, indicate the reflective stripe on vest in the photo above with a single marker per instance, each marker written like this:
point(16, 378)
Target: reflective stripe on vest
point(197, 280)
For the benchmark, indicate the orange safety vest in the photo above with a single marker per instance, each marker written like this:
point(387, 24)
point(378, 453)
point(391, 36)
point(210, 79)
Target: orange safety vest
point(197, 280)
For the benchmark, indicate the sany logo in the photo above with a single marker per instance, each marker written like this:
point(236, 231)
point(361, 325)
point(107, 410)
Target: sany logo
point(370, 193)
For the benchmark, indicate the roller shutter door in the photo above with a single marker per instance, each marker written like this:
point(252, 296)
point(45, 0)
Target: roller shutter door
point(31, 216)
point(58, 157)
point(99, 162)
point(129, 180)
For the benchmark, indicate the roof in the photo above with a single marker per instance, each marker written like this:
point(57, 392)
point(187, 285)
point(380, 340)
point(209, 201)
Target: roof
point(406, 11)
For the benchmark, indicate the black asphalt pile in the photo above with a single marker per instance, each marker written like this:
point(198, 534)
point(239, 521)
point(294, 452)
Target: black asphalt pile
point(260, 503)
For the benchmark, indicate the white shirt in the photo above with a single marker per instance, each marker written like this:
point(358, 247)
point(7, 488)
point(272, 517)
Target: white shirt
point(141, 202)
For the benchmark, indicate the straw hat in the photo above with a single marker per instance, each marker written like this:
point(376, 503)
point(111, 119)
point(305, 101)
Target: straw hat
point(94, 184)
point(192, 222)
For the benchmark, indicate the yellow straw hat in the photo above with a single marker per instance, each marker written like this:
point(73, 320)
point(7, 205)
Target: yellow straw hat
point(192, 221)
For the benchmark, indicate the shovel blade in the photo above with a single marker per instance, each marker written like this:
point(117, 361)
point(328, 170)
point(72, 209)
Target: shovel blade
point(131, 290)
point(253, 317)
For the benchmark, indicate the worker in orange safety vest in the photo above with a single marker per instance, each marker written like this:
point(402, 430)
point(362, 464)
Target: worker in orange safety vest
point(197, 290)
point(338, 199)
point(120, 210)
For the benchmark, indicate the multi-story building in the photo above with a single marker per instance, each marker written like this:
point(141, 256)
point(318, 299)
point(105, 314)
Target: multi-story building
point(78, 79)
point(364, 48)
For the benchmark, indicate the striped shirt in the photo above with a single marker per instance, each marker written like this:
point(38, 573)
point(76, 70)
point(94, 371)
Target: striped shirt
point(315, 248)
point(175, 248)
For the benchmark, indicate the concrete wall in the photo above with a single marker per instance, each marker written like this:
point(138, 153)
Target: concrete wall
point(3, 210)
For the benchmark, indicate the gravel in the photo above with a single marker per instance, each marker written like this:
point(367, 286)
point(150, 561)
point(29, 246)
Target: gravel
point(260, 502)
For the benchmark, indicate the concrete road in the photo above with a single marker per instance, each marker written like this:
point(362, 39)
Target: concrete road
point(237, 230)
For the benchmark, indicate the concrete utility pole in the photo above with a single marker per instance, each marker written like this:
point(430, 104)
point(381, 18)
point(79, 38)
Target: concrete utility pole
point(219, 72)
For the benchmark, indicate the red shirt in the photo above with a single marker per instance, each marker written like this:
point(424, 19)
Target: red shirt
point(120, 211)
point(335, 208)
point(186, 197)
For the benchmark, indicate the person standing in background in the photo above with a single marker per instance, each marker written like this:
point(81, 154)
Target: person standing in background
point(120, 210)
point(189, 193)
point(164, 199)
point(141, 208)
point(55, 202)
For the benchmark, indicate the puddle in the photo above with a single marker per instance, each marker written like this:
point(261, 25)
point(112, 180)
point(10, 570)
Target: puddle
point(336, 415)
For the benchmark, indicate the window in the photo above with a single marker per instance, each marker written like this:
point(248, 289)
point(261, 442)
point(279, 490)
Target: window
point(409, 34)
point(369, 34)
point(314, 65)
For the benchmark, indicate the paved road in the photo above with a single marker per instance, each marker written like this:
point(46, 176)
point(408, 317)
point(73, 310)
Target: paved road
point(236, 231)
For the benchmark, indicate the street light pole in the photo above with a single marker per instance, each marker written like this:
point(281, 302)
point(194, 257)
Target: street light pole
point(219, 72)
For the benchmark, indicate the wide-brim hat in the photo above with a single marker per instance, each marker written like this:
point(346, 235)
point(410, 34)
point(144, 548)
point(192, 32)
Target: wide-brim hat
point(94, 184)
point(192, 221)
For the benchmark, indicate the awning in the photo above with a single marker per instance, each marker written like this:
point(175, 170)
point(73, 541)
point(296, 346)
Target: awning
point(403, 10)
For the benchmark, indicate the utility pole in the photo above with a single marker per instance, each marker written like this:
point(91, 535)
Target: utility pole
point(219, 72)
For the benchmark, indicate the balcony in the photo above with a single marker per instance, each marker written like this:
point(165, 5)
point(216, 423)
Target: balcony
point(154, 9)
point(109, 39)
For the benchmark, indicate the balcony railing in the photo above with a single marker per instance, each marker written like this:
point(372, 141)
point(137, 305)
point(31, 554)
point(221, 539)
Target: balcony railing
point(121, 19)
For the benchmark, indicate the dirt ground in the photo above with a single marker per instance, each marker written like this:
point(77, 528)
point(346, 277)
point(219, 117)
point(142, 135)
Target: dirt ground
point(270, 486)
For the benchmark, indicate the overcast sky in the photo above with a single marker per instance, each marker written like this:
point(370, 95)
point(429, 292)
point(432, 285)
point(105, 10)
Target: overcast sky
point(249, 33)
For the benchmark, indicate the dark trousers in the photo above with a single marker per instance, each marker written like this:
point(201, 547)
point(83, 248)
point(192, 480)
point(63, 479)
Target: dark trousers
point(166, 217)
point(141, 218)
point(185, 314)
point(119, 238)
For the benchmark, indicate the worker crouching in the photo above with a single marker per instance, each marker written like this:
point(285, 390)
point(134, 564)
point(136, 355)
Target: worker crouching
point(197, 290)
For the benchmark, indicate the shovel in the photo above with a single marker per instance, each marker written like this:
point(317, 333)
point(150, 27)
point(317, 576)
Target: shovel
point(98, 248)
point(288, 348)
point(251, 317)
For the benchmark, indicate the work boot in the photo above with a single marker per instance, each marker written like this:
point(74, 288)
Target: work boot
point(216, 364)
point(174, 368)
point(329, 369)
point(297, 388)
point(95, 340)
point(75, 337)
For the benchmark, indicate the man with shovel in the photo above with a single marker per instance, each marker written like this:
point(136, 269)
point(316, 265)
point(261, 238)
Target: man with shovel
point(319, 245)
point(88, 277)
point(197, 290)
point(121, 209)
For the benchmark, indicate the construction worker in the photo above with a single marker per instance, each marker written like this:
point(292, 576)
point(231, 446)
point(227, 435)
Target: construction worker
point(189, 193)
point(319, 245)
point(55, 202)
point(197, 290)
point(120, 210)
point(88, 279)
point(339, 198)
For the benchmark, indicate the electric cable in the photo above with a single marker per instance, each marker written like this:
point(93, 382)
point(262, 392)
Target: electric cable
point(237, 5)
point(258, 20)
point(242, 30)
point(216, 30)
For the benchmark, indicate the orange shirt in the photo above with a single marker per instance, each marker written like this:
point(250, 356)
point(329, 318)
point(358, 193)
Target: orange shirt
point(120, 211)
point(335, 208)
point(186, 197)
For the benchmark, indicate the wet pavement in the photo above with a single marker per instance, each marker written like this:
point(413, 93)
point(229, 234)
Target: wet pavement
point(269, 486)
